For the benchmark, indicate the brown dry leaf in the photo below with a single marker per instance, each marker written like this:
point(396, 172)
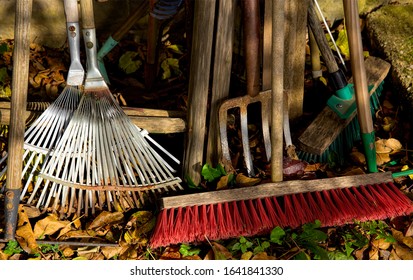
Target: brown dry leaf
point(408, 241)
point(387, 104)
point(360, 253)
point(24, 232)
point(31, 211)
point(382, 158)
point(68, 252)
point(245, 181)
point(394, 145)
point(403, 252)
point(381, 244)
point(398, 235)
point(384, 254)
point(48, 226)
point(3, 256)
point(388, 124)
point(312, 167)
point(263, 256)
point(110, 252)
point(381, 147)
point(374, 254)
point(106, 218)
point(220, 252)
point(171, 253)
point(358, 158)
point(394, 256)
point(247, 255)
point(223, 182)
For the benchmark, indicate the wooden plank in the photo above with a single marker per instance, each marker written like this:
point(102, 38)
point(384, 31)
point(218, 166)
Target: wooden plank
point(275, 190)
point(325, 128)
point(221, 75)
point(294, 61)
point(153, 120)
point(198, 88)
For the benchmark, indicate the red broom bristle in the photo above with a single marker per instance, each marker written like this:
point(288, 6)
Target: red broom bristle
point(273, 215)
point(308, 215)
point(203, 222)
point(401, 203)
point(257, 226)
point(336, 216)
point(263, 214)
point(317, 213)
point(223, 231)
point(245, 215)
point(211, 229)
point(290, 212)
point(238, 224)
point(282, 220)
point(365, 209)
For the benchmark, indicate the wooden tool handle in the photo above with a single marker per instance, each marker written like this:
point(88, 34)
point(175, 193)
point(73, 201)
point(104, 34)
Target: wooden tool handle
point(71, 10)
point(252, 44)
point(139, 12)
point(88, 20)
point(321, 40)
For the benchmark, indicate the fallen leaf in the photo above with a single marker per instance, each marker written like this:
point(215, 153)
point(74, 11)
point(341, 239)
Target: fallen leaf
point(224, 181)
point(394, 145)
point(48, 226)
point(384, 254)
point(171, 253)
point(106, 218)
point(381, 244)
point(381, 147)
point(394, 256)
point(403, 252)
point(220, 252)
point(31, 211)
point(24, 232)
point(374, 254)
point(244, 181)
point(3, 256)
point(408, 241)
point(78, 234)
point(68, 252)
point(382, 158)
point(247, 255)
point(110, 252)
point(263, 256)
point(358, 158)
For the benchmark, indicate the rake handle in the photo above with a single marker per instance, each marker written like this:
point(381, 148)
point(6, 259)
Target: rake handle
point(88, 20)
point(130, 21)
point(71, 10)
point(21, 53)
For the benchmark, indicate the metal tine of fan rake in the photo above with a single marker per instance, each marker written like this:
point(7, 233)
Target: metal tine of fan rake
point(52, 194)
point(102, 153)
point(165, 9)
point(47, 129)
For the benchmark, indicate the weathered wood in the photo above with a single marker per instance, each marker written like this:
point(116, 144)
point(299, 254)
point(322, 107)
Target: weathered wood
point(325, 128)
point(153, 120)
point(198, 88)
point(21, 53)
point(275, 190)
point(221, 75)
point(294, 61)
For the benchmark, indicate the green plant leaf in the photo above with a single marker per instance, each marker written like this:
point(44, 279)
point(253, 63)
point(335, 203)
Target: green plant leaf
point(211, 174)
point(337, 255)
point(170, 64)
point(302, 256)
point(4, 48)
point(187, 250)
point(128, 63)
point(12, 248)
point(277, 235)
point(4, 76)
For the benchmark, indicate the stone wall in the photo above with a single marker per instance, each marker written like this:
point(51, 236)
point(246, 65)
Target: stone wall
point(48, 19)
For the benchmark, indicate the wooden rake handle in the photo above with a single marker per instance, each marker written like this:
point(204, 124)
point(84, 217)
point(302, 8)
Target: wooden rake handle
point(88, 20)
point(71, 10)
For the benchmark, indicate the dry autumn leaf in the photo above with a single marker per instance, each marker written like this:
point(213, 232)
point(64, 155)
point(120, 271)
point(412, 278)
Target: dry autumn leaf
point(245, 181)
point(48, 226)
point(381, 244)
point(106, 218)
point(220, 252)
point(263, 256)
point(24, 232)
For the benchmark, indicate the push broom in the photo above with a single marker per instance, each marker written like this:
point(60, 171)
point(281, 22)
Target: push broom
point(257, 210)
point(335, 129)
point(103, 160)
point(47, 129)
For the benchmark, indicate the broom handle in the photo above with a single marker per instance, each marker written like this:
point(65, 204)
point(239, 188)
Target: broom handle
point(71, 10)
point(88, 20)
point(336, 75)
point(358, 68)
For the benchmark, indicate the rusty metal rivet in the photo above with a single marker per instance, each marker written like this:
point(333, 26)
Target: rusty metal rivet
point(9, 206)
point(72, 28)
point(10, 194)
point(89, 45)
